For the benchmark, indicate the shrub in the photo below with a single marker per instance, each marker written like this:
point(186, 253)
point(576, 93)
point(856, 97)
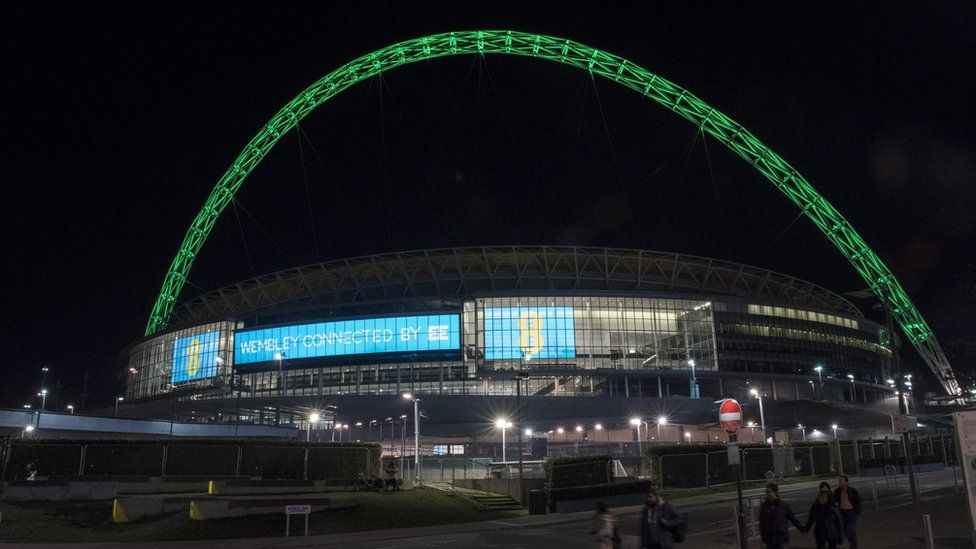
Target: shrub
point(571, 471)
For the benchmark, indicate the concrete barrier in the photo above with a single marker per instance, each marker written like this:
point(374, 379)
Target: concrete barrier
point(176, 484)
point(60, 490)
point(265, 487)
point(217, 508)
point(130, 508)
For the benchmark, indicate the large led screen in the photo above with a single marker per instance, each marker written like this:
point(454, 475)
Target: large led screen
point(195, 357)
point(529, 332)
point(366, 336)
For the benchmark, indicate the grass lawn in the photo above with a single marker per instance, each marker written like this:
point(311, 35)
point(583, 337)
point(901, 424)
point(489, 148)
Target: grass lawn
point(673, 493)
point(85, 522)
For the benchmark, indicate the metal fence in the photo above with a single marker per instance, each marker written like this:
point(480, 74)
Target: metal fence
point(283, 461)
point(703, 469)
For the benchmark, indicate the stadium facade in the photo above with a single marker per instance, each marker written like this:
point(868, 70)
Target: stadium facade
point(588, 332)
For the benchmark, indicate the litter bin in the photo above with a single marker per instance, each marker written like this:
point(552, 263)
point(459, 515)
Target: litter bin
point(537, 502)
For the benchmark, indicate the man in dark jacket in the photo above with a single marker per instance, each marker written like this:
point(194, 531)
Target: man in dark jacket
point(775, 517)
point(849, 502)
point(658, 519)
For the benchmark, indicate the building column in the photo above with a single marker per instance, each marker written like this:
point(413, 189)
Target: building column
point(660, 392)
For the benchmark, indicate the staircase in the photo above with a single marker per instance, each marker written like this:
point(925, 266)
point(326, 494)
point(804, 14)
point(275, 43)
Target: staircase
point(488, 500)
point(494, 502)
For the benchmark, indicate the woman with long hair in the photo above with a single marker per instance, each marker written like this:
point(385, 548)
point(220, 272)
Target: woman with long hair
point(825, 518)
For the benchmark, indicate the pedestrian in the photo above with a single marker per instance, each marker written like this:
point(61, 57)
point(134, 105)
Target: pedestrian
point(775, 516)
point(604, 531)
point(391, 475)
point(825, 519)
point(659, 522)
point(849, 503)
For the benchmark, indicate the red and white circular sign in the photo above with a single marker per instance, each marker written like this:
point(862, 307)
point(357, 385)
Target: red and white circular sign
point(730, 416)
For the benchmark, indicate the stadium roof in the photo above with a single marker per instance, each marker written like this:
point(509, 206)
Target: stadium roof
point(453, 273)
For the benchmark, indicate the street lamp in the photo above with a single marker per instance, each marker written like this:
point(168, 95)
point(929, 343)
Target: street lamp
point(528, 432)
point(688, 436)
point(314, 417)
point(416, 435)
point(43, 395)
point(694, 382)
point(802, 430)
point(834, 429)
point(280, 357)
point(636, 422)
point(579, 429)
point(819, 369)
point(762, 414)
point(660, 421)
point(118, 399)
point(853, 390)
point(503, 424)
point(71, 409)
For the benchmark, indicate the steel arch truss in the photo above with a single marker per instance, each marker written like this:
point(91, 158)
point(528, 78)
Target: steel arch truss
point(668, 94)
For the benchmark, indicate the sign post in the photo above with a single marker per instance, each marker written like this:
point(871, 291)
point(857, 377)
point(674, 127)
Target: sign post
point(296, 510)
point(730, 417)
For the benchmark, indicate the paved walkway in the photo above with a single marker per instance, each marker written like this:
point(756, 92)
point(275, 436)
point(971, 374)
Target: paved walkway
point(891, 524)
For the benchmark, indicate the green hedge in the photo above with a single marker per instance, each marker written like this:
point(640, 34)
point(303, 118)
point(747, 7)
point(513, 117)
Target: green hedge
point(572, 471)
point(599, 490)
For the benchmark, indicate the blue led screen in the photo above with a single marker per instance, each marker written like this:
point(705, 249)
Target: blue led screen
point(534, 332)
point(195, 357)
point(401, 334)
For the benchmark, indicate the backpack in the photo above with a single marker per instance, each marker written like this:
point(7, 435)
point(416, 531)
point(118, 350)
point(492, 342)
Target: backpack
point(680, 531)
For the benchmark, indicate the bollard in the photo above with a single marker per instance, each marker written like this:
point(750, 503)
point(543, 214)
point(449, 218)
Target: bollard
point(929, 540)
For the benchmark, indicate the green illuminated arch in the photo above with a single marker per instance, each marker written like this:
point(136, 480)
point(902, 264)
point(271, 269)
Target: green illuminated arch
point(796, 188)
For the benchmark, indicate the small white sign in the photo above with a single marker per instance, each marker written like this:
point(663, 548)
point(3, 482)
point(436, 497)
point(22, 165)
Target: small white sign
point(733, 453)
point(298, 509)
point(903, 424)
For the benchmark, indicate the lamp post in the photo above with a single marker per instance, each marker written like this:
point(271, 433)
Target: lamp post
point(819, 369)
point(840, 459)
point(762, 414)
point(44, 370)
point(853, 390)
point(416, 436)
point(636, 422)
point(314, 417)
point(579, 431)
point(660, 421)
point(694, 381)
point(802, 430)
point(43, 395)
point(503, 424)
point(526, 357)
point(118, 399)
point(71, 409)
point(687, 437)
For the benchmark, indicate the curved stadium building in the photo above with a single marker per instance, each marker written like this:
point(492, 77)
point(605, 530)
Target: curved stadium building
point(594, 334)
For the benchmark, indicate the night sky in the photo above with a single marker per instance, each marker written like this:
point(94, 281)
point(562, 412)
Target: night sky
point(119, 118)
